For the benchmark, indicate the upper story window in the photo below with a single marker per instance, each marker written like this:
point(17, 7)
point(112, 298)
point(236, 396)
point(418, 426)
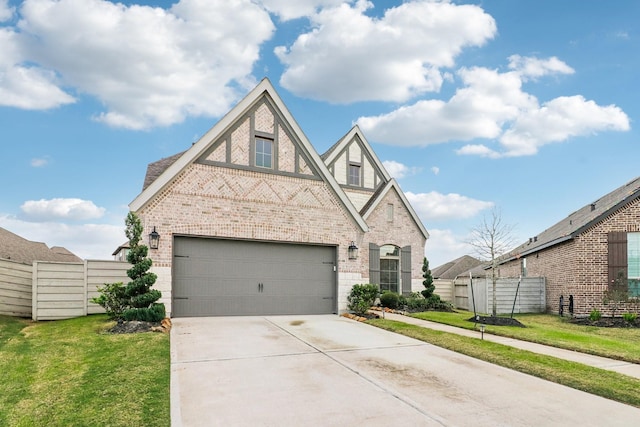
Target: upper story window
point(354, 175)
point(264, 153)
point(389, 212)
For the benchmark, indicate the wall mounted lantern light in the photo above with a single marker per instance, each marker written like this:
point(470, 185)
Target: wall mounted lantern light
point(353, 250)
point(154, 239)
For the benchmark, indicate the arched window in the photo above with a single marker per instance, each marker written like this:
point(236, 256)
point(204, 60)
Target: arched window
point(390, 267)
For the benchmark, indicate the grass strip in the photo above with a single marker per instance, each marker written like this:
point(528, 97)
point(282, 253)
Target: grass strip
point(607, 384)
point(615, 343)
point(72, 373)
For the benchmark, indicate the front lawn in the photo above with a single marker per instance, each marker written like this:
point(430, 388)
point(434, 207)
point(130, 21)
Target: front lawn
point(72, 373)
point(556, 331)
point(610, 385)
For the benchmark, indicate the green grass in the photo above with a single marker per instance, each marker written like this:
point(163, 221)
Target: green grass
point(71, 373)
point(615, 343)
point(607, 384)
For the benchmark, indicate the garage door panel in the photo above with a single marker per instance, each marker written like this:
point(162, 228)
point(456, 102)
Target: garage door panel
point(226, 277)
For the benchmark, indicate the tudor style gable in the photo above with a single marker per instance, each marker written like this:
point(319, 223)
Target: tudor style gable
point(261, 140)
point(356, 168)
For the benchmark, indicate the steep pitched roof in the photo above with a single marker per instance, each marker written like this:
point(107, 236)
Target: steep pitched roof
point(454, 268)
point(379, 195)
point(264, 88)
point(155, 169)
point(16, 248)
point(335, 150)
point(580, 220)
point(387, 183)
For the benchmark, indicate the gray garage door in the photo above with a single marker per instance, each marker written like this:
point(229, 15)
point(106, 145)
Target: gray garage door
point(227, 277)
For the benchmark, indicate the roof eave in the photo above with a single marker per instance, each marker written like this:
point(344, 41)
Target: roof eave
point(220, 127)
point(394, 184)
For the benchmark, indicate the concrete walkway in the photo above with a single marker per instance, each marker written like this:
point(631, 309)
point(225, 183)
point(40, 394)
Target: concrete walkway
point(626, 368)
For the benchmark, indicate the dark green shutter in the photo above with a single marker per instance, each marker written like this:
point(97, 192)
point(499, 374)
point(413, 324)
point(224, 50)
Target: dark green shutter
point(405, 269)
point(374, 264)
point(617, 255)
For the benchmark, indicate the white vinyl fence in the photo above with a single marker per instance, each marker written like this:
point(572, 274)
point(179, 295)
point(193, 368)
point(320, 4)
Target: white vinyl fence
point(15, 288)
point(56, 290)
point(529, 297)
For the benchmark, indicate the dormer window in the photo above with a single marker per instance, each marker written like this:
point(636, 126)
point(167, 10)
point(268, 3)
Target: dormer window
point(354, 175)
point(264, 153)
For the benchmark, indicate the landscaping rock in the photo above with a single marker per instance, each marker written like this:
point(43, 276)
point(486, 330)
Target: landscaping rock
point(135, 326)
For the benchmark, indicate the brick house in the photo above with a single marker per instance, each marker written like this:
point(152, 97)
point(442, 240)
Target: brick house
point(252, 220)
point(582, 255)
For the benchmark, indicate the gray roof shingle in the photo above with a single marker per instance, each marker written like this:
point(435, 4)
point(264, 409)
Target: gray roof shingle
point(454, 268)
point(155, 169)
point(580, 220)
point(16, 248)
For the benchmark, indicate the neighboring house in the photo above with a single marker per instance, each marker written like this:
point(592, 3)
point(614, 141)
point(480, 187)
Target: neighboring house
point(253, 221)
point(582, 255)
point(452, 269)
point(120, 254)
point(18, 249)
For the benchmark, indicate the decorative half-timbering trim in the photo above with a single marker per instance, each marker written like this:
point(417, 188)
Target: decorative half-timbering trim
point(263, 92)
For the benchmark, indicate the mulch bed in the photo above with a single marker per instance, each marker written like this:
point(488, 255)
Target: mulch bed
point(605, 322)
point(496, 321)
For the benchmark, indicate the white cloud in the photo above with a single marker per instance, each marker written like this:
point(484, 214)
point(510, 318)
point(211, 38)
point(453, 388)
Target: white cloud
point(287, 9)
point(65, 209)
point(6, 11)
point(531, 67)
point(622, 35)
point(444, 246)
point(435, 206)
point(39, 162)
point(492, 105)
point(397, 170)
point(558, 120)
point(435, 170)
point(401, 52)
point(88, 241)
point(478, 150)
point(148, 66)
point(26, 86)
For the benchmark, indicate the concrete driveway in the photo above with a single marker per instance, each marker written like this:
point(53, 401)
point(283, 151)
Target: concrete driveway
point(331, 371)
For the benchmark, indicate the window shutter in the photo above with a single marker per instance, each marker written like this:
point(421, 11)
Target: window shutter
point(405, 269)
point(617, 254)
point(374, 264)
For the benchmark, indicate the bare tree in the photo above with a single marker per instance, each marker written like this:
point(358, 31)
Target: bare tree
point(491, 239)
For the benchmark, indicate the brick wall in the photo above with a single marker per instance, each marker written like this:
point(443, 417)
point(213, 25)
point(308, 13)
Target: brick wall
point(221, 202)
point(282, 205)
point(402, 231)
point(578, 267)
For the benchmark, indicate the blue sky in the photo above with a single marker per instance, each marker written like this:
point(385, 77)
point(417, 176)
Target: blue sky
point(526, 106)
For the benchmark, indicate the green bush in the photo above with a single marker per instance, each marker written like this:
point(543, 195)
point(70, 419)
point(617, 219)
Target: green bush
point(361, 298)
point(595, 315)
point(112, 299)
point(629, 317)
point(389, 300)
point(135, 300)
point(435, 303)
point(416, 304)
point(155, 313)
